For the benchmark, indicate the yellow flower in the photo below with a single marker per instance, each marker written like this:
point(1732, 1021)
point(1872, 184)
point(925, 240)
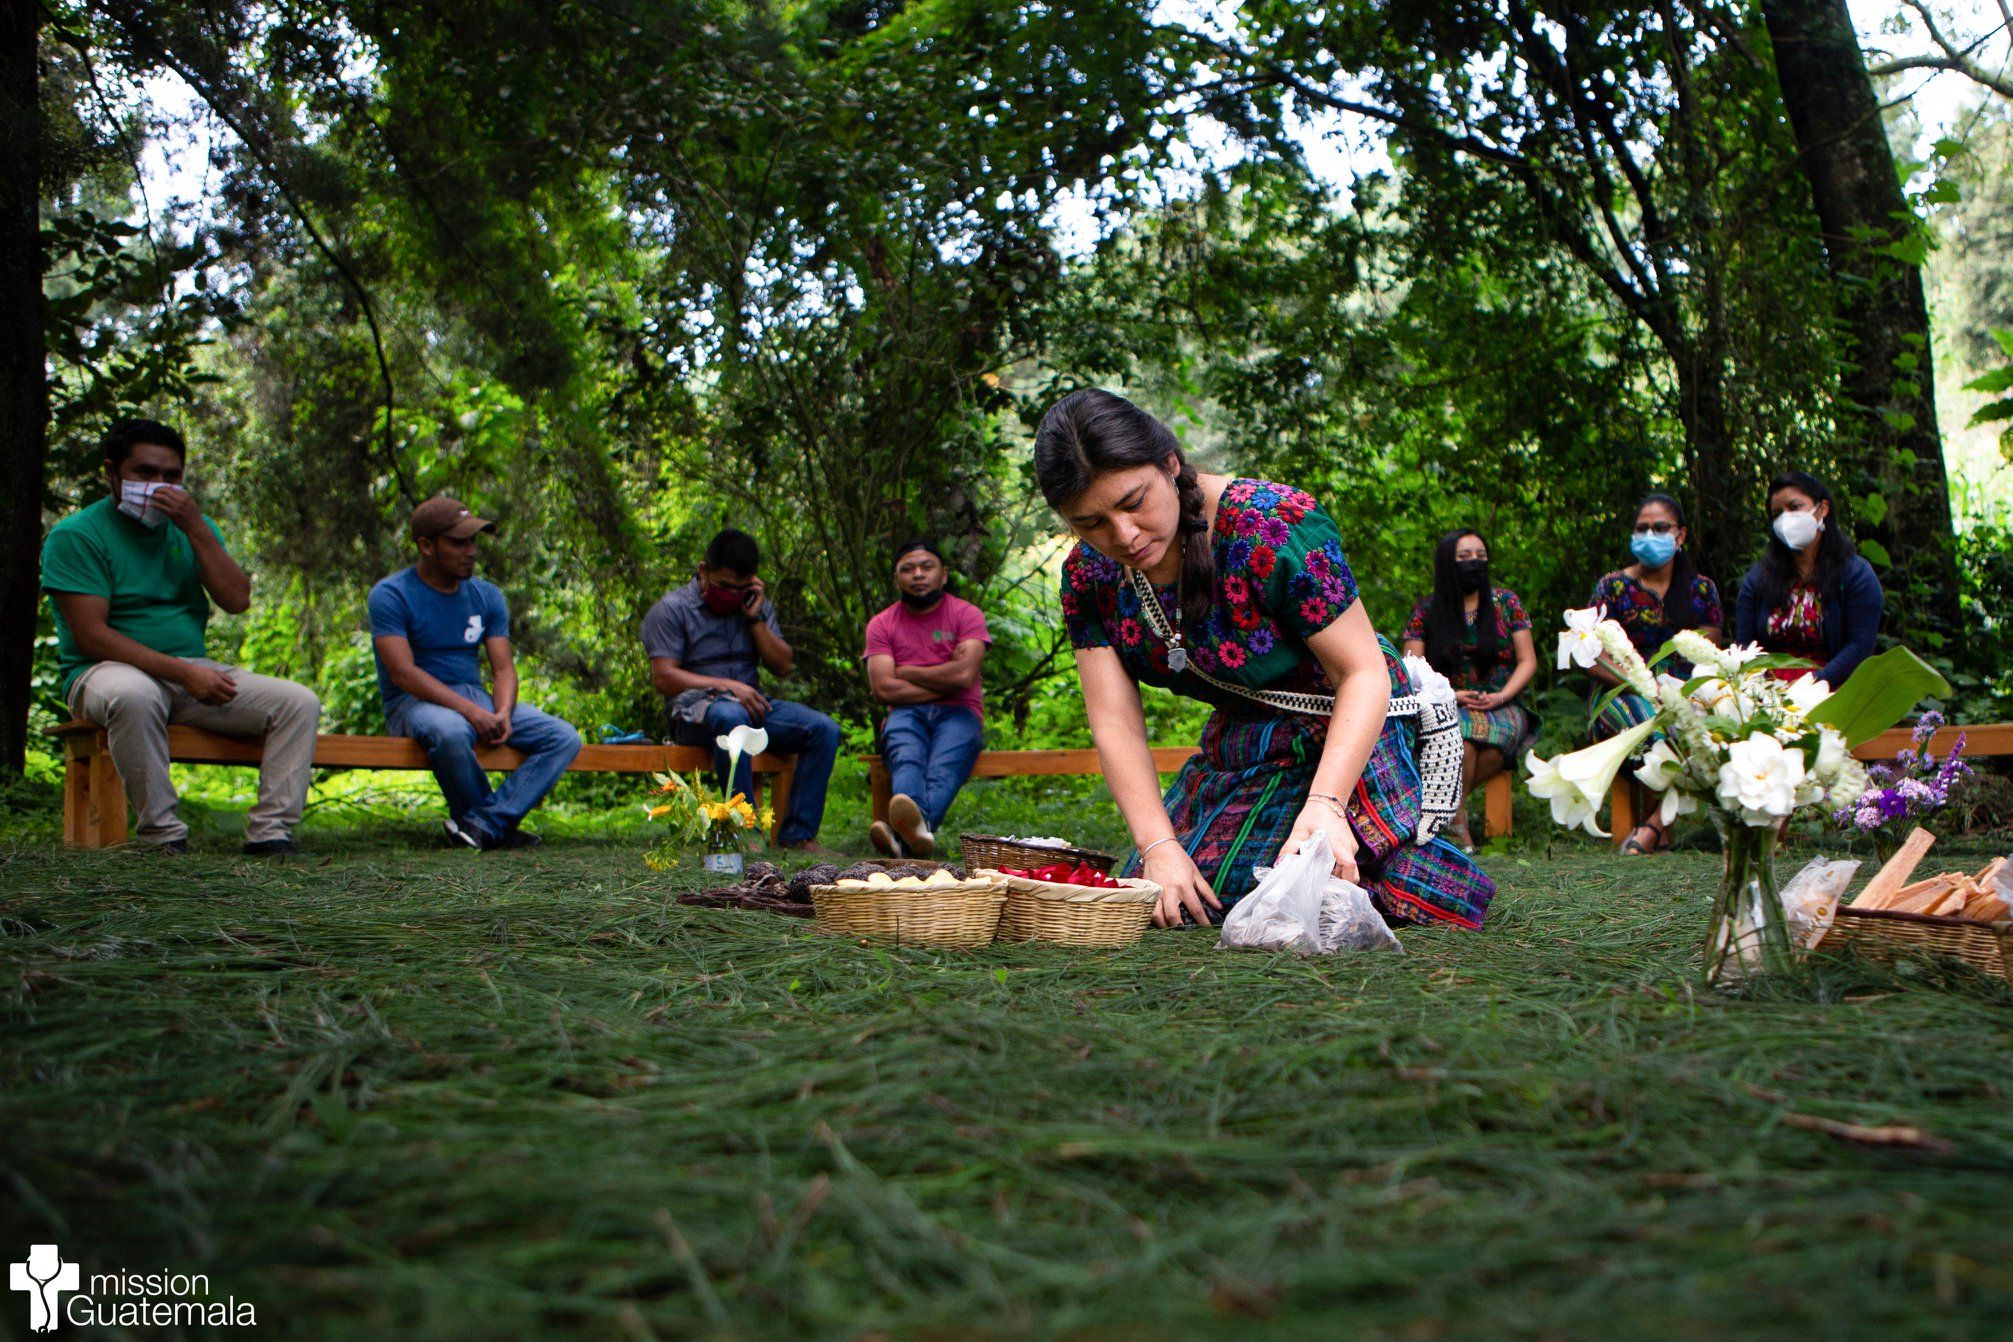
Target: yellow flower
point(656, 811)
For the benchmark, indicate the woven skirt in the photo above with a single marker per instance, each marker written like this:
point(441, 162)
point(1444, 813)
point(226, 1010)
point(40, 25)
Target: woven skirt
point(1508, 729)
point(1234, 805)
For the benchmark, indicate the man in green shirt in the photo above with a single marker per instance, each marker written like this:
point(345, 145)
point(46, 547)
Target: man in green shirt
point(131, 579)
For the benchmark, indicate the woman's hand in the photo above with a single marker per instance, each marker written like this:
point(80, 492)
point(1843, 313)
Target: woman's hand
point(1181, 886)
point(1341, 838)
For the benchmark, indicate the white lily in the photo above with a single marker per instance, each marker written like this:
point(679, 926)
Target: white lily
point(1806, 692)
point(1832, 753)
point(1580, 644)
point(1569, 807)
point(1659, 767)
point(1662, 771)
point(743, 740)
point(1577, 784)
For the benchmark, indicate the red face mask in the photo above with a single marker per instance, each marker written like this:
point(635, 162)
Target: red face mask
point(722, 600)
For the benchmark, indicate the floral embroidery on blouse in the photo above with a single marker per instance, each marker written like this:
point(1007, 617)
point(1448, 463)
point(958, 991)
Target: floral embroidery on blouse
point(1471, 675)
point(1797, 625)
point(1642, 614)
point(1280, 578)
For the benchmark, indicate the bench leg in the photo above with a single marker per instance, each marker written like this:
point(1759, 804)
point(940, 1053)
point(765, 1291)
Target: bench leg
point(1621, 811)
point(1496, 797)
point(883, 784)
point(94, 800)
point(779, 797)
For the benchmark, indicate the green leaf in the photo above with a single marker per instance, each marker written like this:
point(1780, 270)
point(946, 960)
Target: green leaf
point(2005, 338)
point(1898, 420)
point(1873, 509)
point(1949, 148)
point(1882, 692)
point(1876, 553)
point(1999, 379)
point(1942, 192)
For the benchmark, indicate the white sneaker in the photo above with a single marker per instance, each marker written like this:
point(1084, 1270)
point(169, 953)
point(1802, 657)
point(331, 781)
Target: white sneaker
point(457, 837)
point(906, 818)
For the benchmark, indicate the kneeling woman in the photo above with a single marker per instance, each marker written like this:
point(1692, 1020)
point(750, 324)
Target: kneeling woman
point(1222, 590)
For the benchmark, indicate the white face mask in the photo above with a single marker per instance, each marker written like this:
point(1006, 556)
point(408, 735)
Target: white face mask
point(1797, 530)
point(136, 500)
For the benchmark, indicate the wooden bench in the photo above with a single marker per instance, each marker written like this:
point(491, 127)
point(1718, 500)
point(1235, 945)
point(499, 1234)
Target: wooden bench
point(94, 801)
point(1167, 759)
point(1982, 740)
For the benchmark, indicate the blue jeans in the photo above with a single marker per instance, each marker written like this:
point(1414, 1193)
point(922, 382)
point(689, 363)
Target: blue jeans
point(793, 730)
point(548, 743)
point(930, 750)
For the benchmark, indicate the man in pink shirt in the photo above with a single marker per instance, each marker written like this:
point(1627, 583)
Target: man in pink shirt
point(923, 655)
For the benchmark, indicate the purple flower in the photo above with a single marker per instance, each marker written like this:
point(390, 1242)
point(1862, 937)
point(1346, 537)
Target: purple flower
point(1926, 725)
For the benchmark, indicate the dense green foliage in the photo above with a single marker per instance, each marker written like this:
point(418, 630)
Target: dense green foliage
point(621, 273)
point(450, 1097)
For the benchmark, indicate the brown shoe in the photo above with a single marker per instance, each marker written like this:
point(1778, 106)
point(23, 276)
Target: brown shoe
point(884, 839)
point(906, 818)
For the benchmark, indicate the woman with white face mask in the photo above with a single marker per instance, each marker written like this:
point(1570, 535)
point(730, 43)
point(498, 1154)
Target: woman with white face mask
point(1654, 597)
point(1810, 595)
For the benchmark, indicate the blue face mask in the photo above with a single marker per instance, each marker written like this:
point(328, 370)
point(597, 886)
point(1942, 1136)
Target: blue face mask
point(1653, 550)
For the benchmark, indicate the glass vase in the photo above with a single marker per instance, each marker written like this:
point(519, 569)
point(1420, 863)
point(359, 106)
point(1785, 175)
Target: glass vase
point(1749, 936)
point(723, 851)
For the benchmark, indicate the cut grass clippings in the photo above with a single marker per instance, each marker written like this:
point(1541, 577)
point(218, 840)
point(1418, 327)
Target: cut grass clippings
point(392, 1092)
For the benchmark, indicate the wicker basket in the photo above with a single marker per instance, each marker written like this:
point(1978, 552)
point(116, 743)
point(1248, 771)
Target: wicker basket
point(990, 850)
point(1075, 915)
point(1886, 934)
point(964, 915)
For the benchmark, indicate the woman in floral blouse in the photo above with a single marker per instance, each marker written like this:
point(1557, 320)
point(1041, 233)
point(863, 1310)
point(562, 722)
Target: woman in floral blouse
point(1811, 594)
point(1489, 661)
point(1250, 588)
point(1652, 598)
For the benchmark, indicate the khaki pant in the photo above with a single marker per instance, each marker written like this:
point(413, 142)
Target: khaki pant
point(135, 709)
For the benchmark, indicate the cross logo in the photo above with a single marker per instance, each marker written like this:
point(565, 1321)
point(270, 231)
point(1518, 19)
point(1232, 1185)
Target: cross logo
point(45, 1276)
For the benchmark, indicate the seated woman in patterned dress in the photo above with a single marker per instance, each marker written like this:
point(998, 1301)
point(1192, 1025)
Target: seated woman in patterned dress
point(1811, 594)
point(1652, 599)
point(1249, 592)
point(1489, 662)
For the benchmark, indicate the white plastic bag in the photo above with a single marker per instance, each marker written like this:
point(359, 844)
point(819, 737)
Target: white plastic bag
point(1302, 906)
point(1810, 900)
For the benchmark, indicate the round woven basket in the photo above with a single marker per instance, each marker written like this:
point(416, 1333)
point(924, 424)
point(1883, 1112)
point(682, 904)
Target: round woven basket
point(965, 915)
point(990, 850)
point(1889, 934)
point(1075, 915)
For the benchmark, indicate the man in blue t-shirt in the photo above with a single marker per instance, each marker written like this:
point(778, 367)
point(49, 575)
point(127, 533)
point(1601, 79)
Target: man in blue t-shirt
point(427, 624)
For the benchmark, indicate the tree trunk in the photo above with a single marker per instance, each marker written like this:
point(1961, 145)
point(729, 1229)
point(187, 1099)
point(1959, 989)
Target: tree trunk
point(1887, 384)
point(24, 393)
point(1721, 508)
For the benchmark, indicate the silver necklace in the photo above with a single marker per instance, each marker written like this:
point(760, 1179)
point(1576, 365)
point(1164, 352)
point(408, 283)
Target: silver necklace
point(1157, 620)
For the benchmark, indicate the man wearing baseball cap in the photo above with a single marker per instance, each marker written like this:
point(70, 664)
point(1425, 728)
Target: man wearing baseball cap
point(427, 624)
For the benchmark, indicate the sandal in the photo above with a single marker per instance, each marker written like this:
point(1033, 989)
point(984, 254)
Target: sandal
point(1634, 847)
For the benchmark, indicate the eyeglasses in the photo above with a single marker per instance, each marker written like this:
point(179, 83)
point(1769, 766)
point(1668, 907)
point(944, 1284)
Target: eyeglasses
point(1655, 528)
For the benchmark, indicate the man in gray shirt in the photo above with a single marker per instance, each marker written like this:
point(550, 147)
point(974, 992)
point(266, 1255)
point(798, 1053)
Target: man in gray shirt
point(708, 643)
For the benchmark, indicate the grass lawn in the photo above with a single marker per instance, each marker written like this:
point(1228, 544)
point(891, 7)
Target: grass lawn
point(393, 1091)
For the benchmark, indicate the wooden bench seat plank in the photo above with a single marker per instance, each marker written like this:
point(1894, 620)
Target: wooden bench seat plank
point(94, 806)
